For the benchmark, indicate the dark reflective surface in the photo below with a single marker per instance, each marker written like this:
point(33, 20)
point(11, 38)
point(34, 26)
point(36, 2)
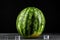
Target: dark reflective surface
point(15, 36)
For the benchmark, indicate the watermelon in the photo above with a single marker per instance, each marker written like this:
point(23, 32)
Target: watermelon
point(30, 22)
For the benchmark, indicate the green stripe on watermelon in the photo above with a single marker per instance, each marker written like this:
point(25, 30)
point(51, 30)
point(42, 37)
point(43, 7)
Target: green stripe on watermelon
point(41, 22)
point(18, 21)
point(28, 22)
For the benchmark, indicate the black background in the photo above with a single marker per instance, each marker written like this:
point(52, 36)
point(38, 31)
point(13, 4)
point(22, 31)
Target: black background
point(11, 8)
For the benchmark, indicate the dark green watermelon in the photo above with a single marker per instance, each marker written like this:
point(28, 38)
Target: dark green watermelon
point(30, 22)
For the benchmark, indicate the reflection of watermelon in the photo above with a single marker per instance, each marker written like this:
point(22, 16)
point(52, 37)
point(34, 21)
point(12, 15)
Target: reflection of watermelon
point(30, 22)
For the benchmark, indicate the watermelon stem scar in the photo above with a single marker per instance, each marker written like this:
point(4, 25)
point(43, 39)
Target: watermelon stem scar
point(30, 22)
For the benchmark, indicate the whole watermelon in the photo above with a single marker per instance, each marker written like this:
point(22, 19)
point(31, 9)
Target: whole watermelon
point(30, 22)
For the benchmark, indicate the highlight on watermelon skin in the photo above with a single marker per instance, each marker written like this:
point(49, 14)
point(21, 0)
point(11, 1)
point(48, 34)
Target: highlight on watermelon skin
point(30, 22)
